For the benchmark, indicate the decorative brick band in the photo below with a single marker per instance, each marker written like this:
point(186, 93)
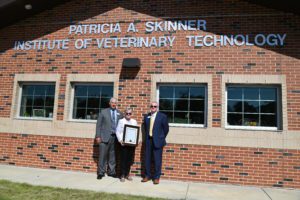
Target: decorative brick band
point(234, 165)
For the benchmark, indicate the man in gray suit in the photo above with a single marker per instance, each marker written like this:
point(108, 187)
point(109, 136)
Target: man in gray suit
point(106, 138)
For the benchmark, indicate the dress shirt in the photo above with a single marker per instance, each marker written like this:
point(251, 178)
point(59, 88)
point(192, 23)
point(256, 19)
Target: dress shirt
point(120, 127)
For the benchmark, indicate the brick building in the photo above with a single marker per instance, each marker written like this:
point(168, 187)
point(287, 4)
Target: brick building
point(226, 73)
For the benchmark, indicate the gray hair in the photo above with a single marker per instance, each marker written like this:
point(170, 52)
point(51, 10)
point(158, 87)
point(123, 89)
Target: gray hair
point(128, 109)
point(113, 98)
point(154, 102)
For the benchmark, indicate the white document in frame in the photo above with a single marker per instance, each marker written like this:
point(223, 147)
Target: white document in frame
point(131, 135)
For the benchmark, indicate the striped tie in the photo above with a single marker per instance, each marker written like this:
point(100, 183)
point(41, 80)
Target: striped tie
point(113, 117)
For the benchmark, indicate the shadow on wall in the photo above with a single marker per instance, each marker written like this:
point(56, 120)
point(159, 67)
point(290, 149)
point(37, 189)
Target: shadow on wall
point(239, 17)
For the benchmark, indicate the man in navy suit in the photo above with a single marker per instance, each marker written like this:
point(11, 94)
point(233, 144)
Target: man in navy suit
point(156, 128)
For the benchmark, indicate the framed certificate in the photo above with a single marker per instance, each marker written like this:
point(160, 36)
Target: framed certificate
point(131, 135)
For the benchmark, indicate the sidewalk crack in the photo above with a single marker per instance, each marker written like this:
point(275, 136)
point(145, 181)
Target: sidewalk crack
point(266, 193)
point(187, 191)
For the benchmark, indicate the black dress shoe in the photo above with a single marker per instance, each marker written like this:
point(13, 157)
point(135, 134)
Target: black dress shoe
point(100, 176)
point(112, 175)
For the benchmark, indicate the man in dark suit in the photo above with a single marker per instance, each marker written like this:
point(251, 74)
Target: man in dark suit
point(106, 138)
point(156, 128)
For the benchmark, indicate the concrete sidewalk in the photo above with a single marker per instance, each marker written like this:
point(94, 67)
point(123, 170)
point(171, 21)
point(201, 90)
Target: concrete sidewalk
point(166, 189)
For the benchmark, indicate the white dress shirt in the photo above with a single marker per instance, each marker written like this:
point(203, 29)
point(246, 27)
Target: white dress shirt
point(120, 127)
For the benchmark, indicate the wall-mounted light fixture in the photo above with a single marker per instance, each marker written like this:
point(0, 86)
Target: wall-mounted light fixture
point(131, 63)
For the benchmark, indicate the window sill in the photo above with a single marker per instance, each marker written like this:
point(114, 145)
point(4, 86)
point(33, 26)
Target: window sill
point(34, 118)
point(83, 121)
point(249, 128)
point(187, 125)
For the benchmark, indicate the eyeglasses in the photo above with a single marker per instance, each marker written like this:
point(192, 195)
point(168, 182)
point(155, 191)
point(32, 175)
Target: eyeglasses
point(153, 106)
point(128, 113)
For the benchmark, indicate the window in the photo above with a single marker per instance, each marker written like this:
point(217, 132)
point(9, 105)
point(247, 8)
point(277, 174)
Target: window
point(37, 100)
point(251, 106)
point(89, 99)
point(183, 104)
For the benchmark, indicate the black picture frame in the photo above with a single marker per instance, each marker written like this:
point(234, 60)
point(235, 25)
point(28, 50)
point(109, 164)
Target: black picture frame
point(131, 135)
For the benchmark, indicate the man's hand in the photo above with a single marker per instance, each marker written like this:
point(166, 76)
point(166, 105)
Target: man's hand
point(98, 140)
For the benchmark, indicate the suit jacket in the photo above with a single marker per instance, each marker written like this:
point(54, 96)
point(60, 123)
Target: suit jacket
point(160, 129)
point(103, 127)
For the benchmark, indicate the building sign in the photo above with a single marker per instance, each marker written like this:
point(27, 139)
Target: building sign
point(193, 39)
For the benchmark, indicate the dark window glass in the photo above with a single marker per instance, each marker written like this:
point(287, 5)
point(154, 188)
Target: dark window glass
point(80, 102)
point(81, 91)
point(49, 112)
point(251, 93)
point(268, 94)
point(170, 116)
point(50, 89)
point(183, 104)
point(93, 102)
point(234, 106)
point(80, 113)
point(181, 117)
point(26, 111)
point(235, 93)
point(37, 100)
point(90, 99)
point(196, 105)
point(94, 91)
point(257, 106)
point(166, 92)
point(49, 101)
point(166, 104)
point(251, 106)
point(235, 119)
point(27, 100)
point(181, 92)
point(40, 90)
point(268, 120)
point(268, 107)
point(196, 118)
point(104, 102)
point(28, 90)
point(107, 91)
point(197, 93)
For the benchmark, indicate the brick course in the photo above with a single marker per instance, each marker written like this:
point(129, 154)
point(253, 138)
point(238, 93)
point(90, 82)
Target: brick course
point(234, 165)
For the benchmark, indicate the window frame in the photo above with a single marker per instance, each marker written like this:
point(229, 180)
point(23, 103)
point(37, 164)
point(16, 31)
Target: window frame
point(278, 107)
point(20, 94)
point(72, 98)
point(204, 125)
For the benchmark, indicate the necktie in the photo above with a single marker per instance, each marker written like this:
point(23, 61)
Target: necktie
point(113, 117)
point(151, 125)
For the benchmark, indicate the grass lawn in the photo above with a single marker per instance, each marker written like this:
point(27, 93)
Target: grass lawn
point(15, 191)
